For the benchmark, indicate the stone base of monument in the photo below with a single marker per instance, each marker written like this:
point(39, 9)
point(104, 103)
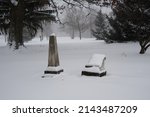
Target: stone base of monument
point(53, 70)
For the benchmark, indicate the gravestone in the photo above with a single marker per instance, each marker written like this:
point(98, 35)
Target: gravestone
point(53, 58)
point(95, 66)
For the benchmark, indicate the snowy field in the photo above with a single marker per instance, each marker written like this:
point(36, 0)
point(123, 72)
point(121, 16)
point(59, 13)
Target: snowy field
point(128, 72)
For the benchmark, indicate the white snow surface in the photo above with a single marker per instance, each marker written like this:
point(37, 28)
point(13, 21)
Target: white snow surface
point(128, 75)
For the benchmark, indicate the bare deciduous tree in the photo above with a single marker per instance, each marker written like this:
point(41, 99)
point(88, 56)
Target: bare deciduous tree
point(77, 20)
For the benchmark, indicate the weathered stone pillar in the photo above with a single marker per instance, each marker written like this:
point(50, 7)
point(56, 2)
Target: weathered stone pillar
point(53, 58)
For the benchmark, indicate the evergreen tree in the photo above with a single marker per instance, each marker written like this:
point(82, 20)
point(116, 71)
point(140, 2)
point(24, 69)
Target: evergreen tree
point(115, 34)
point(118, 26)
point(101, 27)
point(133, 19)
point(22, 18)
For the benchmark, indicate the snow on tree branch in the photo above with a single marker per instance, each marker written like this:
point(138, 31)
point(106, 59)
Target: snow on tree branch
point(15, 2)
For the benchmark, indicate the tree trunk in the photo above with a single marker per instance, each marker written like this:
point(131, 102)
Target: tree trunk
point(17, 16)
point(5, 38)
point(144, 44)
point(79, 29)
point(72, 36)
point(41, 37)
point(143, 50)
point(18, 33)
point(80, 34)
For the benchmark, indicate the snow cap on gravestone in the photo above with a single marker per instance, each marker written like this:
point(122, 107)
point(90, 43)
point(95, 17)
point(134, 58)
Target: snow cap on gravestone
point(53, 34)
point(14, 2)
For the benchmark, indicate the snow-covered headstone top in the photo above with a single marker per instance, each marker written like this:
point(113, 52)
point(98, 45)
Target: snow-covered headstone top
point(53, 34)
point(14, 2)
point(97, 60)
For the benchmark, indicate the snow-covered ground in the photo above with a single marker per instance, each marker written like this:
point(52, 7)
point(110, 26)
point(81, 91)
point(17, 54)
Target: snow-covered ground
point(128, 75)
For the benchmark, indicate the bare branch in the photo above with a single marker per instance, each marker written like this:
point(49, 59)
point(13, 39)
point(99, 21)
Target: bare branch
point(57, 13)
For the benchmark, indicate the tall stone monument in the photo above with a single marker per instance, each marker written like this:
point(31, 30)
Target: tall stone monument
point(53, 58)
